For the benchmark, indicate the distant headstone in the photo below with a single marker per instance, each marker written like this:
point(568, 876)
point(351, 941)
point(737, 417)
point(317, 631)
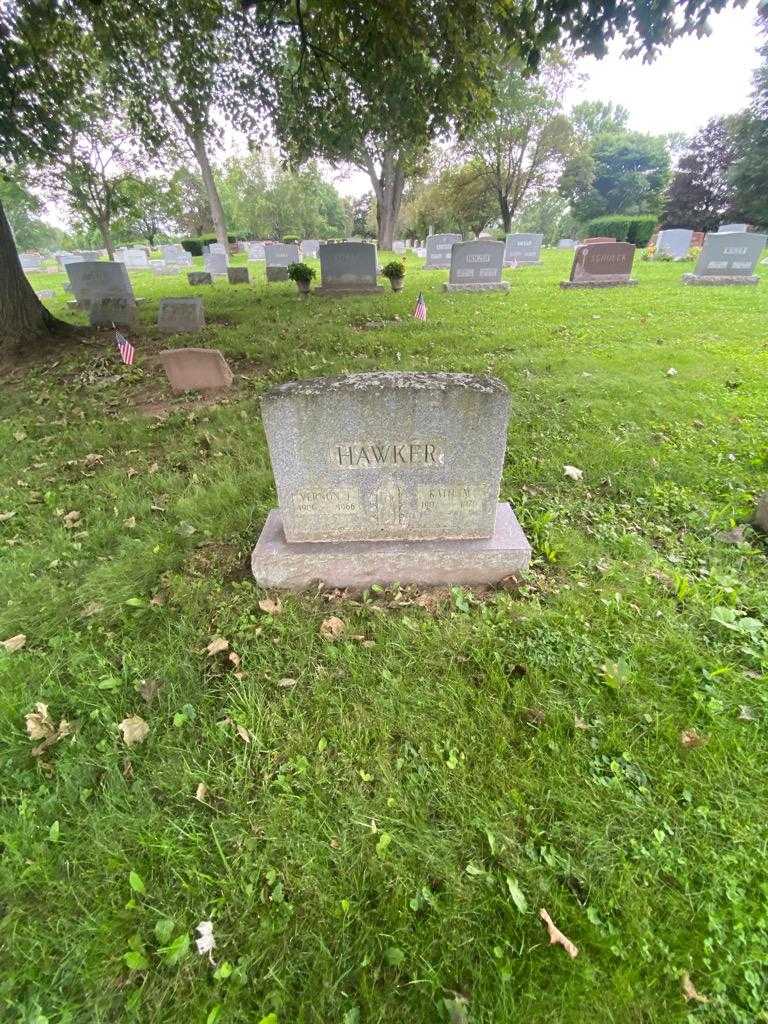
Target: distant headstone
point(309, 247)
point(176, 253)
point(46, 293)
point(216, 263)
point(98, 279)
point(674, 242)
point(134, 259)
point(388, 477)
point(68, 257)
point(476, 267)
point(398, 247)
point(279, 256)
point(177, 316)
point(567, 243)
point(523, 248)
point(728, 257)
point(255, 250)
point(601, 265)
point(438, 251)
point(196, 369)
point(218, 247)
point(111, 310)
point(30, 260)
point(89, 255)
point(348, 268)
point(199, 277)
point(238, 275)
point(731, 228)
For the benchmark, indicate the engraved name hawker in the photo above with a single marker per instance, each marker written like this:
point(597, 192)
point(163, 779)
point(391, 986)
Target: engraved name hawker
point(414, 454)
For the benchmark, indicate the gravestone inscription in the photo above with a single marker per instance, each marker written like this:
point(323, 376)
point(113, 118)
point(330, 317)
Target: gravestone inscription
point(438, 251)
point(523, 248)
point(601, 265)
point(377, 481)
point(177, 316)
point(348, 268)
point(279, 256)
point(99, 279)
point(111, 309)
point(476, 267)
point(728, 257)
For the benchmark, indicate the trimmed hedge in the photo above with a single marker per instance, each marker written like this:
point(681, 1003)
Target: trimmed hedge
point(194, 246)
point(635, 228)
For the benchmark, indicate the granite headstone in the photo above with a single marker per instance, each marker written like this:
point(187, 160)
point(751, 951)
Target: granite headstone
point(348, 268)
point(476, 267)
point(438, 251)
point(730, 228)
point(601, 265)
point(178, 316)
point(674, 242)
point(728, 257)
point(523, 248)
point(279, 256)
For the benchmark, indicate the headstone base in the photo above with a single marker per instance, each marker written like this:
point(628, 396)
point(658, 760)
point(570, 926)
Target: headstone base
point(359, 564)
point(523, 263)
point(277, 274)
point(598, 284)
point(701, 279)
point(355, 289)
point(496, 286)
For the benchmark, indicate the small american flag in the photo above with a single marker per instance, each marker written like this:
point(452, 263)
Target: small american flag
point(420, 309)
point(125, 348)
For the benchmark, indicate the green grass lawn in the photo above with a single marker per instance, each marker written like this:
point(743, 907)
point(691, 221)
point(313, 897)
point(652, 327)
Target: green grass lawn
point(376, 838)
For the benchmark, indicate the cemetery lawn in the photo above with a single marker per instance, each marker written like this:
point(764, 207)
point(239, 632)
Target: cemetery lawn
point(382, 816)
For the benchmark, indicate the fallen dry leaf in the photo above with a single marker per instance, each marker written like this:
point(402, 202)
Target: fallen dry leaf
point(689, 990)
point(134, 729)
point(148, 689)
point(671, 372)
point(130, 523)
point(201, 793)
point(234, 658)
point(14, 643)
point(5, 516)
point(132, 471)
point(92, 608)
point(157, 600)
point(93, 459)
point(20, 435)
point(579, 723)
point(286, 683)
point(243, 733)
point(153, 468)
point(71, 519)
point(573, 473)
point(217, 645)
point(271, 607)
point(332, 628)
point(556, 937)
point(690, 738)
point(40, 726)
point(747, 713)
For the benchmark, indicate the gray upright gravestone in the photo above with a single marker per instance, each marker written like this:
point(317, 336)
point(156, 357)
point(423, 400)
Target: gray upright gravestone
point(567, 243)
point(99, 283)
point(674, 242)
point(180, 316)
point(309, 247)
point(31, 260)
point(728, 257)
point(216, 263)
point(523, 248)
point(438, 251)
point(476, 267)
point(388, 477)
point(730, 228)
point(348, 268)
point(601, 265)
point(279, 256)
point(255, 250)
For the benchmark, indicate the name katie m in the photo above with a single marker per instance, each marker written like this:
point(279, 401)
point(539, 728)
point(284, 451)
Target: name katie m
point(363, 456)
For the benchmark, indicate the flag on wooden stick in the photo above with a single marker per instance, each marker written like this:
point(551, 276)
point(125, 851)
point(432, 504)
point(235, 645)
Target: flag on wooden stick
point(420, 309)
point(125, 348)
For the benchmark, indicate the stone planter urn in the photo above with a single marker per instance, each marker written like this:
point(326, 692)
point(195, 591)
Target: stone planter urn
point(397, 283)
point(303, 287)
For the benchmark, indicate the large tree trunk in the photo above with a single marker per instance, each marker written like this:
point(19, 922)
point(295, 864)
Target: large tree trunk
point(24, 320)
point(506, 213)
point(105, 231)
point(214, 201)
point(388, 185)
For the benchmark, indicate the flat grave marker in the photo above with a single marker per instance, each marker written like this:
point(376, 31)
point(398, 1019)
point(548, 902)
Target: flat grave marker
point(199, 277)
point(196, 369)
point(238, 275)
